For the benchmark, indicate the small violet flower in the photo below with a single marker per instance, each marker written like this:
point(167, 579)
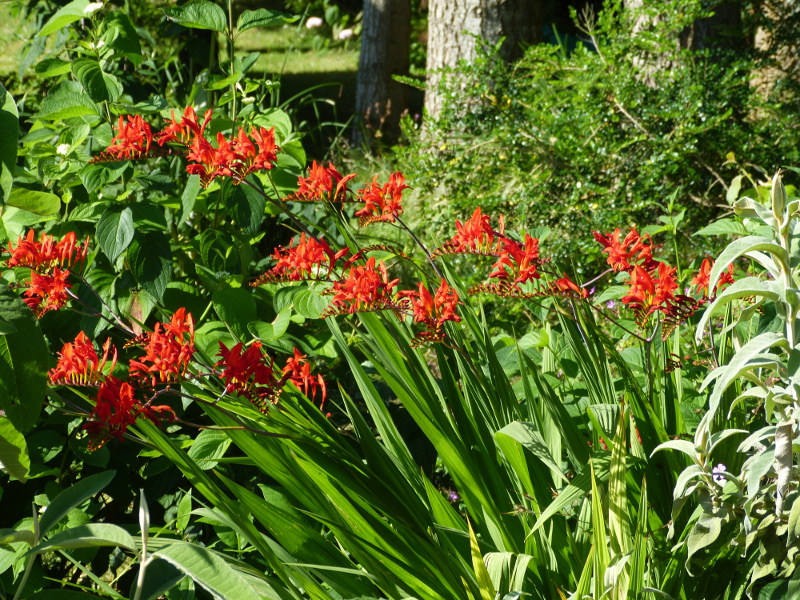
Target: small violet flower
point(717, 473)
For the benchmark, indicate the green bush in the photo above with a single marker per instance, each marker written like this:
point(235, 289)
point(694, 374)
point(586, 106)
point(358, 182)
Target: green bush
point(598, 136)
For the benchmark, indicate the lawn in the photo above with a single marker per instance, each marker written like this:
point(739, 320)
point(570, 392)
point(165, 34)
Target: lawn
point(286, 51)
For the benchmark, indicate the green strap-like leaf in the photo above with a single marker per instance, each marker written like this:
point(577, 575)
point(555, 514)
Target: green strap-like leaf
point(72, 497)
point(9, 125)
point(88, 536)
point(208, 569)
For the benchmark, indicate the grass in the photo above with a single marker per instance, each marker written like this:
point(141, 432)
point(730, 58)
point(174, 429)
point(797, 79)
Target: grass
point(284, 51)
point(13, 33)
point(288, 51)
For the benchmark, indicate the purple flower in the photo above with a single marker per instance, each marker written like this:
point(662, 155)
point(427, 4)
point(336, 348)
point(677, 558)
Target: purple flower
point(610, 304)
point(453, 496)
point(717, 473)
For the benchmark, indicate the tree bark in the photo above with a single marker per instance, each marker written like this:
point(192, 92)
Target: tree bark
point(723, 29)
point(455, 25)
point(777, 43)
point(385, 42)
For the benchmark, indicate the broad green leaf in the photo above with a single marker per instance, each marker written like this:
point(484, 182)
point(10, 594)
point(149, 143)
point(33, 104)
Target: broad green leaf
point(746, 246)
point(725, 375)
point(749, 286)
point(74, 11)
point(115, 231)
point(309, 304)
point(64, 105)
point(121, 35)
point(250, 206)
point(14, 458)
point(13, 536)
point(72, 497)
point(218, 250)
point(794, 522)
point(24, 362)
point(280, 120)
point(263, 17)
point(53, 67)
point(9, 125)
point(200, 14)
point(99, 85)
point(39, 203)
point(268, 332)
point(208, 446)
point(704, 533)
point(88, 536)
point(235, 307)
point(150, 257)
point(208, 569)
point(733, 191)
point(684, 446)
point(184, 511)
point(189, 195)
point(723, 227)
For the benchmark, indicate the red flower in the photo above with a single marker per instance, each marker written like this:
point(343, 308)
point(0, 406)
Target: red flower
point(305, 260)
point(236, 159)
point(433, 310)
point(366, 288)
point(248, 373)
point(78, 363)
point(382, 202)
point(322, 183)
point(567, 286)
point(647, 294)
point(622, 255)
point(169, 349)
point(185, 129)
point(46, 253)
point(298, 371)
point(701, 280)
point(474, 236)
point(47, 292)
point(133, 140)
point(116, 408)
point(517, 260)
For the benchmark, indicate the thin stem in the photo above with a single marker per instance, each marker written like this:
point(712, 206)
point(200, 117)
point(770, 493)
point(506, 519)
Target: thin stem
point(279, 203)
point(118, 321)
point(419, 243)
point(229, 34)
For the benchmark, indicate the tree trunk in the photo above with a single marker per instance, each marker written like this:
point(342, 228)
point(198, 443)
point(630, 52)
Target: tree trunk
point(385, 41)
point(723, 29)
point(778, 46)
point(454, 25)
